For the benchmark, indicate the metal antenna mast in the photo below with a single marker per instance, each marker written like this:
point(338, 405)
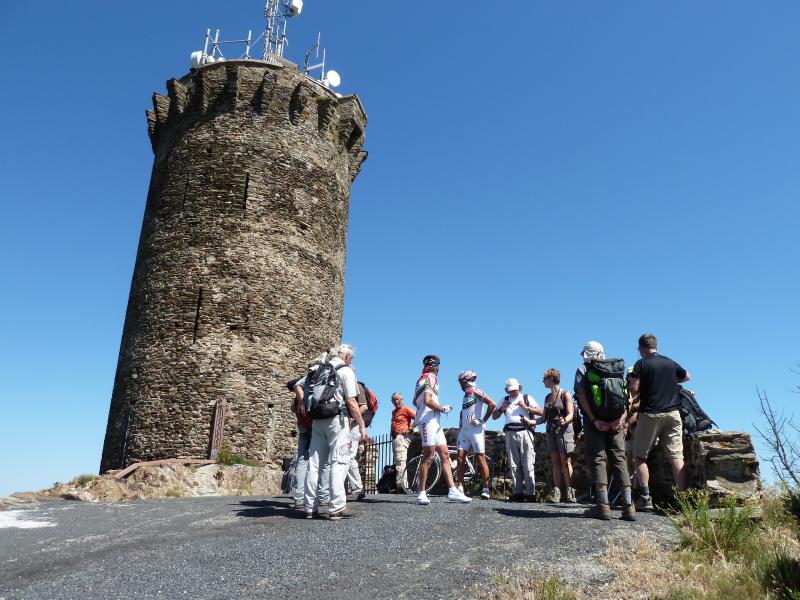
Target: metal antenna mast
point(276, 13)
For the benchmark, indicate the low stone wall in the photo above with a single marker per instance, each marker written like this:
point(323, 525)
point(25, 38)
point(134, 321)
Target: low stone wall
point(723, 462)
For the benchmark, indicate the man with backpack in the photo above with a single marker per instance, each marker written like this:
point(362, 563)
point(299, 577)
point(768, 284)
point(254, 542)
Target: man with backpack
point(600, 387)
point(655, 378)
point(331, 393)
point(520, 411)
point(304, 443)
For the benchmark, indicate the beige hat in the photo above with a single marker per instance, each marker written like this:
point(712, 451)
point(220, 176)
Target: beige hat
point(512, 384)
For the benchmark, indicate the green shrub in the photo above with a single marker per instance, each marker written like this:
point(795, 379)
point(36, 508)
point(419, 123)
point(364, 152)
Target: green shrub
point(173, 492)
point(227, 457)
point(82, 480)
point(791, 501)
point(729, 536)
point(780, 574)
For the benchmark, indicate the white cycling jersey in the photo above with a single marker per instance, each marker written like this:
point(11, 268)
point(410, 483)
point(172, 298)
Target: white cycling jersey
point(428, 382)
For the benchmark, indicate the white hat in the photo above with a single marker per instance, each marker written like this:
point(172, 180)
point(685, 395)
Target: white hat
point(592, 349)
point(512, 384)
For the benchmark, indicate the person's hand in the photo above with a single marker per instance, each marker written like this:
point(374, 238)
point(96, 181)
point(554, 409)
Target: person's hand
point(475, 421)
point(560, 421)
point(600, 425)
point(364, 436)
point(446, 409)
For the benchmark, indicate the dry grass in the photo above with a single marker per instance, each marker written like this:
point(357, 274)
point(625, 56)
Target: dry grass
point(754, 562)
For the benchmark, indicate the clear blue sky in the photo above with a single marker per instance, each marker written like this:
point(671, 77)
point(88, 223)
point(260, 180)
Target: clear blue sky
point(538, 176)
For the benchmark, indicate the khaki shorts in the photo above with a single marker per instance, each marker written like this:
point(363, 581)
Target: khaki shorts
point(664, 428)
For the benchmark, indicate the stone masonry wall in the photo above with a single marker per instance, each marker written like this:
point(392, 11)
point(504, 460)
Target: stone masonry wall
point(239, 275)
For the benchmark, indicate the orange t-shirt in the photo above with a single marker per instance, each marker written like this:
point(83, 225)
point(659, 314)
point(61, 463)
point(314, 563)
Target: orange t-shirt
point(401, 420)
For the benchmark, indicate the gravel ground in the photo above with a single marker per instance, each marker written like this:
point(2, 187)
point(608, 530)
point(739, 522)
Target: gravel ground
point(260, 548)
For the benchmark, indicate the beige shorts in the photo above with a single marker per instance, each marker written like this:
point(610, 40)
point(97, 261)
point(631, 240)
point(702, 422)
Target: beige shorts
point(664, 428)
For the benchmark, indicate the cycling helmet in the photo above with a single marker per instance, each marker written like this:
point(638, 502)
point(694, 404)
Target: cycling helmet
point(467, 376)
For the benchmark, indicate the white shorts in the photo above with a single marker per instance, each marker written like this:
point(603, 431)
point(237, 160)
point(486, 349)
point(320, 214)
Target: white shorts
point(473, 441)
point(432, 434)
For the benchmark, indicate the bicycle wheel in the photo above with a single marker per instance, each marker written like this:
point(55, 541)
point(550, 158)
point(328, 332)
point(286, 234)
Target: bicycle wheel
point(413, 472)
point(473, 478)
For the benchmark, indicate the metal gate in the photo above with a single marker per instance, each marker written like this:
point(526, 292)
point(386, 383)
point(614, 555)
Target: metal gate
point(378, 453)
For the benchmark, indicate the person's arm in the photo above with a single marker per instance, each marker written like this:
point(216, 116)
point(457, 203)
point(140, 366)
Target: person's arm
point(490, 404)
point(633, 386)
point(355, 412)
point(585, 406)
point(299, 407)
point(682, 374)
point(570, 409)
point(534, 410)
point(431, 403)
point(499, 410)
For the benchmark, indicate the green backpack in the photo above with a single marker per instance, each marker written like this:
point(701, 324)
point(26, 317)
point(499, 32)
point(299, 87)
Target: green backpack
point(607, 384)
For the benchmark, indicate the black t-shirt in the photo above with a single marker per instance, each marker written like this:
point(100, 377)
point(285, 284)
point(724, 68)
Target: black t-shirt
point(658, 383)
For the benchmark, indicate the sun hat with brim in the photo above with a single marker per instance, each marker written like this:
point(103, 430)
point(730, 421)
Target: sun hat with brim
point(592, 349)
point(512, 384)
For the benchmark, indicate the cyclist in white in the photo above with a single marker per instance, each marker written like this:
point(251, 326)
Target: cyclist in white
point(472, 425)
point(426, 400)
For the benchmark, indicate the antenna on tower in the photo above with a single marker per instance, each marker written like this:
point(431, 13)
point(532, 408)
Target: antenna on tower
point(276, 13)
point(329, 79)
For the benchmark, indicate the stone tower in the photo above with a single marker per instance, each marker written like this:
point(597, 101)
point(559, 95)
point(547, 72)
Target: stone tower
point(239, 275)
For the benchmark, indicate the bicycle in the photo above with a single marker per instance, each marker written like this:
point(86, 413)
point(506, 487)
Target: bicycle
point(473, 479)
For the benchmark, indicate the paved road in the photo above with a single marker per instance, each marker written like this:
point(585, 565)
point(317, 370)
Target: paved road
point(215, 548)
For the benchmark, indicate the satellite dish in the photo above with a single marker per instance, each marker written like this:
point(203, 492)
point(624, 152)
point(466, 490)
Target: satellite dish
point(297, 7)
point(220, 59)
point(332, 79)
point(197, 59)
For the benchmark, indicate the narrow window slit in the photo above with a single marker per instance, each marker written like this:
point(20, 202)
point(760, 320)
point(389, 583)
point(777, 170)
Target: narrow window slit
point(185, 191)
point(197, 314)
point(246, 188)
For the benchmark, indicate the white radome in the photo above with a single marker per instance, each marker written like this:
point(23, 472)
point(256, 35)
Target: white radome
point(332, 79)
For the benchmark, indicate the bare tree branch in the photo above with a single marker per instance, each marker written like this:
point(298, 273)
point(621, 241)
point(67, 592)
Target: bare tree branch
point(785, 447)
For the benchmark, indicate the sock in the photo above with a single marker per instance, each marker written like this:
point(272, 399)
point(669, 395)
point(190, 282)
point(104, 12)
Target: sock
point(644, 490)
point(626, 495)
point(602, 495)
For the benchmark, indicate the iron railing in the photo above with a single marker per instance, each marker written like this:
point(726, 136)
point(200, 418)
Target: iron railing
point(378, 453)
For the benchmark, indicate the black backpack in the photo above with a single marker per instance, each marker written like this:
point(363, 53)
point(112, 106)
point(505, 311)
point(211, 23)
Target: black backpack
point(608, 394)
point(577, 417)
point(694, 418)
point(320, 389)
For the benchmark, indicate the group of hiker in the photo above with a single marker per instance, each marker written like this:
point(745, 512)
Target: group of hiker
point(620, 416)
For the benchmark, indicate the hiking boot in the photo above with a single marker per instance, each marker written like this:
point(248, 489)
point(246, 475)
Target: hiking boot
point(422, 499)
point(485, 494)
point(312, 514)
point(628, 512)
point(598, 511)
point(554, 496)
point(456, 495)
point(530, 498)
point(644, 504)
point(353, 496)
point(361, 496)
point(324, 502)
point(345, 513)
point(299, 505)
point(516, 498)
point(571, 496)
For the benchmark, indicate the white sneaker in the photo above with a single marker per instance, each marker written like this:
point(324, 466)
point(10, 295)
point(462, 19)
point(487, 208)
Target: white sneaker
point(485, 494)
point(456, 495)
point(422, 499)
point(460, 488)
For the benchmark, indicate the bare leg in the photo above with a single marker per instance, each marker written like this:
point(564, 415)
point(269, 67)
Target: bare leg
point(462, 455)
point(444, 454)
point(678, 472)
point(642, 472)
point(555, 460)
point(427, 457)
point(566, 470)
point(484, 469)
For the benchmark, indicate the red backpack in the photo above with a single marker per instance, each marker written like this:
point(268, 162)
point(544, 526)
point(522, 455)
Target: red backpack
point(372, 403)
